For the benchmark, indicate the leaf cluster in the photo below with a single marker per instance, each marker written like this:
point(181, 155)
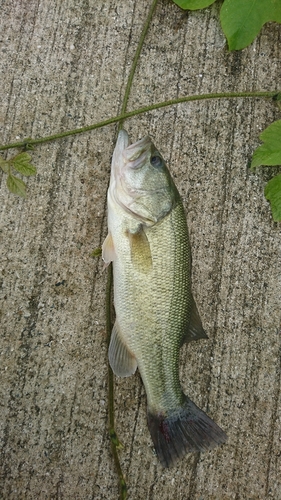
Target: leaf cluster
point(241, 20)
point(269, 153)
point(21, 164)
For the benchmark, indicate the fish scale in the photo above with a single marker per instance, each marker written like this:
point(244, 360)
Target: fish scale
point(165, 295)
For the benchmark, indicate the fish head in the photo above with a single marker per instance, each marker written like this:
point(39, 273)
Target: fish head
point(140, 180)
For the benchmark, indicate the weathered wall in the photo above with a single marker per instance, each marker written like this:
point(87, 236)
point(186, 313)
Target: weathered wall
point(64, 64)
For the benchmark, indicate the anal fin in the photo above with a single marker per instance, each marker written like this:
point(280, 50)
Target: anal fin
point(195, 330)
point(121, 360)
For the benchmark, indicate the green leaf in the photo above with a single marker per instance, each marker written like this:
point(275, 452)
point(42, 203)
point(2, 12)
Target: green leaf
point(4, 164)
point(16, 185)
point(28, 146)
point(22, 164)
point(272, 193)
point(242, 20)
point(193, 4)
point(97, 252)
point(269, 153)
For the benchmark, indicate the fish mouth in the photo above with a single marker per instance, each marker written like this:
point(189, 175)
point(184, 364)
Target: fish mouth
point(129, 156)
point(136, 154)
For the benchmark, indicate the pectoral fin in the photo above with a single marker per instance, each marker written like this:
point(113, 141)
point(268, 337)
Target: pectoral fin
point(195, 329)
point(108, 252)
point(121, 360)
point(140, 250)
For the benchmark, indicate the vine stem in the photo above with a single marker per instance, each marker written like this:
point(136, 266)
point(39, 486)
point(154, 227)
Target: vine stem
point(115, 443)
point(135, 60)
point(145, 109)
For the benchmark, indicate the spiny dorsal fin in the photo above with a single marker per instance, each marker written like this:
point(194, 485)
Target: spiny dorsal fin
point(195, 329)
point(122, 362)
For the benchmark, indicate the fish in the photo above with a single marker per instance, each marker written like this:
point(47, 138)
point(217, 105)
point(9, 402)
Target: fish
point(148, 244)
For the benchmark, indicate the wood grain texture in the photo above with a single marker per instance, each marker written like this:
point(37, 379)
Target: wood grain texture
point(65, 64)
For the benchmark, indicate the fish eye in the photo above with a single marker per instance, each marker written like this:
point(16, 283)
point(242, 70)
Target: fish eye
point(156, 161)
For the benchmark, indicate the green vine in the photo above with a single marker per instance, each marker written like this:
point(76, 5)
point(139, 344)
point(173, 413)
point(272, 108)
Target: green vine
point(135, 60)
point(145, 109)
point(115, 443)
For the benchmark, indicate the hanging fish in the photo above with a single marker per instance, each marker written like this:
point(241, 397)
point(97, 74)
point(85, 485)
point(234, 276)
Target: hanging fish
point(148, 244)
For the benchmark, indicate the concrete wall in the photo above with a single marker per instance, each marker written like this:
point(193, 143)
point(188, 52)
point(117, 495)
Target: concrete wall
point(65, 64)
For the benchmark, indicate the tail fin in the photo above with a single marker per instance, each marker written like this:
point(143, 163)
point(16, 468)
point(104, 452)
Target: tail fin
point(184, 430)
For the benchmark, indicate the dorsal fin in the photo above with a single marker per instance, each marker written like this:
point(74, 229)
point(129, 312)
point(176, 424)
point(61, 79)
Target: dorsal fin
point(195, 330)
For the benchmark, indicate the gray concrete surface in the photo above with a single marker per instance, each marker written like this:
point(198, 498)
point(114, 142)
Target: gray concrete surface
point(65, 64)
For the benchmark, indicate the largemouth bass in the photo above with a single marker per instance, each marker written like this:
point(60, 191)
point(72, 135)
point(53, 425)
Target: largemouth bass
point(148, 244)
